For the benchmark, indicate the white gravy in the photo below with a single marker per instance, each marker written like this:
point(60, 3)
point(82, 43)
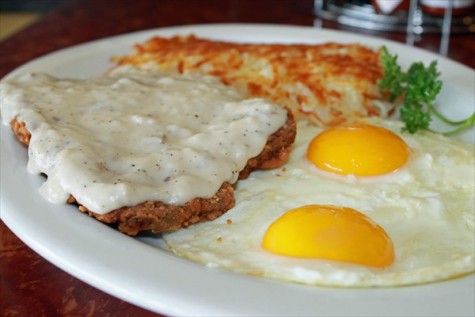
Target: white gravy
point(122, 139)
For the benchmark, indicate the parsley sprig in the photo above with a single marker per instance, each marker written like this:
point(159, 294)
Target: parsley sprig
point(417, 89)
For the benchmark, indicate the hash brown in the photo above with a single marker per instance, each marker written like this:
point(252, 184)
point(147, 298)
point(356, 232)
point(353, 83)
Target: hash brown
point(324, 83)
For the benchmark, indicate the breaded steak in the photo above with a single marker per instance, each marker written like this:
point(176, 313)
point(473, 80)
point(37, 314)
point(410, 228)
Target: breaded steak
point(324, 83)
point(159, 217)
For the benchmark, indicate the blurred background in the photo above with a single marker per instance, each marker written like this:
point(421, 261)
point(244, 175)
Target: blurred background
point(408, 16)
point(424, 16)
point(17, 14)
point(413, 18)
point(411, 21)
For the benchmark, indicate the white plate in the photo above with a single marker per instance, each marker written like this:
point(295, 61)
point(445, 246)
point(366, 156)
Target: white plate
point(142, 272)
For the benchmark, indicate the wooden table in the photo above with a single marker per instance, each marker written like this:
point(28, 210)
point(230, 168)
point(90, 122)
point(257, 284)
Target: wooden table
point(31, 286)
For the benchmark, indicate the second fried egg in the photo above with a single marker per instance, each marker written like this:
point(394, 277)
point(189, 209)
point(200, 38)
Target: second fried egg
point(405, 225)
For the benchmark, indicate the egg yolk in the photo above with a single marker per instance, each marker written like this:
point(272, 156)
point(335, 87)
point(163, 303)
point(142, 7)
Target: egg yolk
point(332, 233)
point(360, 149)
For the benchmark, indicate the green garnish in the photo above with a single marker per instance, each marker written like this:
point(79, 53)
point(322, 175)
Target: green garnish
point(418, 89)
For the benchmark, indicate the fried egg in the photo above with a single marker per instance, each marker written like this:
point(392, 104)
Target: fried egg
point(355, 206)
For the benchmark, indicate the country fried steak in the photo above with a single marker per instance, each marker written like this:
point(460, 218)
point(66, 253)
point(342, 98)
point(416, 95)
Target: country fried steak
point(159, 217)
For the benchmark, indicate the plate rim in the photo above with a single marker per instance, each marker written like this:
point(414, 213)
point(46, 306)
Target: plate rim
point(171, 301)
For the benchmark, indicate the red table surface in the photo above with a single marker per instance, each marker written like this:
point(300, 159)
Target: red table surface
point(31, 286)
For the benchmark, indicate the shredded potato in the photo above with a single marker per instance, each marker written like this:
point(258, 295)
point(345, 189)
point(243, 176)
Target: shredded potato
point(325, 83)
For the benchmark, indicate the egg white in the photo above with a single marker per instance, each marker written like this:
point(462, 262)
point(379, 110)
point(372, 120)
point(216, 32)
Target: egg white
point(427, 207)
